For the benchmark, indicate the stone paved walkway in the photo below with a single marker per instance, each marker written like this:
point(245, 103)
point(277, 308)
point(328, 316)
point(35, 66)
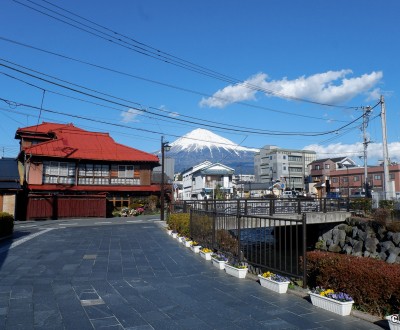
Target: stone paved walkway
point(132, 275)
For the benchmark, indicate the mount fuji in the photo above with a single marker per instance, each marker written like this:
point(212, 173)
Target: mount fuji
point(200, 145)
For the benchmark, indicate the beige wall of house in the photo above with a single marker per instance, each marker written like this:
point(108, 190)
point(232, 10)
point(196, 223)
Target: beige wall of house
point(35, 173)
point(8, 204)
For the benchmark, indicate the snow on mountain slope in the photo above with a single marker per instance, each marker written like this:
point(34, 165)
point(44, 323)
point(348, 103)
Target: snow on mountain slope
point(200, 139)
point(201, 144)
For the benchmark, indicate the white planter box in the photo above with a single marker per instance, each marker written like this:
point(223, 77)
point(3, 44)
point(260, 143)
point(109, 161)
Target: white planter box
point(218, 263)
point(279, 287)
point(394, 321)
point(338, 307)
point(206, 256)
point(196, 248)
point(188, 244)
point(174, 235)
point(169, 231)
point(180, 239)
point(237, 272)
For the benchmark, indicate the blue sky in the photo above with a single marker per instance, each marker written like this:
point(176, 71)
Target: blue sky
point(290, 73)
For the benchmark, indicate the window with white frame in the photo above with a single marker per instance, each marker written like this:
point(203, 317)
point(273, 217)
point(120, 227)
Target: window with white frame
point(125, 176)
point(93, 174)
point(58, 172)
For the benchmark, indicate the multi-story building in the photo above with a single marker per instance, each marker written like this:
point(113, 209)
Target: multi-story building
point(349, 180)
point(321, 169)
point(70, 172)
point(203, 180)
point(289, 166)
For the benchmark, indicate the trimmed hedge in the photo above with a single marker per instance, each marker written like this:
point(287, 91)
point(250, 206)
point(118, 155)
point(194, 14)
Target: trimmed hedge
point(374, 284)
point(6, 224)
point(179, 222)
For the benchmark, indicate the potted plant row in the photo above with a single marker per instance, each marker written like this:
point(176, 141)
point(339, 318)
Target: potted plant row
point(336, 302)
point(237, 269)
point(205, 253)
point(195, 247)
point(219, 260)
point(274, 282)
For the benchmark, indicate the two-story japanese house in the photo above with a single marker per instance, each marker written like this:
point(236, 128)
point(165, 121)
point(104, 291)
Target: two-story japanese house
point(71, 172)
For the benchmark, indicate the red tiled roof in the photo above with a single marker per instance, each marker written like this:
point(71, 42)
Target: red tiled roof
point(75, 143)
point(46, 127)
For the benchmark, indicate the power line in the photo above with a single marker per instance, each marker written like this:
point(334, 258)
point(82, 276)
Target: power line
point(260, 132)
point(144, 49)
point(161, 83)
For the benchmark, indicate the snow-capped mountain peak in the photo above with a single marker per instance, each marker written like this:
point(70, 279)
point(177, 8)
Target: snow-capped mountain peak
point(200, 139)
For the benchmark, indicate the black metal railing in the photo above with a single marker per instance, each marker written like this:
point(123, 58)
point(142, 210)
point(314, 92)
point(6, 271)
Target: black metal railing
point(263, 242)
point(271, 207)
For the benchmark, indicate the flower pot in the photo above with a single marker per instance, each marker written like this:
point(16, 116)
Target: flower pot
point(196, 248)
point(174, 235)
point(394, 321)
point(339, 307)
point(188, 244)
point(220, 264)
point(169, 231)
point(237, 272)
point(279, 287)
point(205, 255)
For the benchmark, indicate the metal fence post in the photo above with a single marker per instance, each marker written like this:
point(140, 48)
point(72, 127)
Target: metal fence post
point(324, 205)
point(304, 250)
point(238, 237)
point(184, 207)
point(298, 207)
point(213, 229)
point(191, 223)
point(271, 207)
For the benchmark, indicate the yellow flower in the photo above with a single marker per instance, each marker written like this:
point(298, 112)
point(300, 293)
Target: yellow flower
point(205, 250)
point(267, 274)
point(326, 292)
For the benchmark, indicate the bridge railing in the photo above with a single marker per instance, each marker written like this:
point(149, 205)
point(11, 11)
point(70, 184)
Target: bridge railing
point(271, 207)
point(264, 242)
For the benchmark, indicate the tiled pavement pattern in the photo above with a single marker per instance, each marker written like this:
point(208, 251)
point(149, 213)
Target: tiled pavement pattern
point(135, 276)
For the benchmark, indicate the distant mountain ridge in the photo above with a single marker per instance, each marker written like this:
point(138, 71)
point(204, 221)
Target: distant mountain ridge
point(201, 144)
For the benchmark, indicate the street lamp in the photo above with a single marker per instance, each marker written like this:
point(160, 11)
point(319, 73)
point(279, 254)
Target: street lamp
point(164, 147)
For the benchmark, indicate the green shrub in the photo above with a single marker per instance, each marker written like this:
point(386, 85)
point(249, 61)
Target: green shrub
point(201, 229)
point(364, 204)
point(179, 222)
point(6, 224)
point(373, 284)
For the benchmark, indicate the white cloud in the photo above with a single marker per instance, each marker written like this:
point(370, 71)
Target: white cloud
point(234, 93)
point(130, 115)
point(174, 114)
point(353, 151)
point(330, 87)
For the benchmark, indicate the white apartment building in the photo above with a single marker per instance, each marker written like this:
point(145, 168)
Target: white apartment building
point(201, 181)
point(289, 166)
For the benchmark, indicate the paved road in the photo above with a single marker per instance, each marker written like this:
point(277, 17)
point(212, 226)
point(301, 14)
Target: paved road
point(128, 273)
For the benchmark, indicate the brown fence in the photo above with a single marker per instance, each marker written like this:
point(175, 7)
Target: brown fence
point(65, 206)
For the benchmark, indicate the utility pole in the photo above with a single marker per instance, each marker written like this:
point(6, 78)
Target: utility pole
point(367, 111)
point(387, 191)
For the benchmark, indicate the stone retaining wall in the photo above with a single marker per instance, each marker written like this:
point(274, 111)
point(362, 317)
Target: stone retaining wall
point(362, 238)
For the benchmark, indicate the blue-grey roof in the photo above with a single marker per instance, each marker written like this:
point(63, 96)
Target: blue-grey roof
point(9, 176)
